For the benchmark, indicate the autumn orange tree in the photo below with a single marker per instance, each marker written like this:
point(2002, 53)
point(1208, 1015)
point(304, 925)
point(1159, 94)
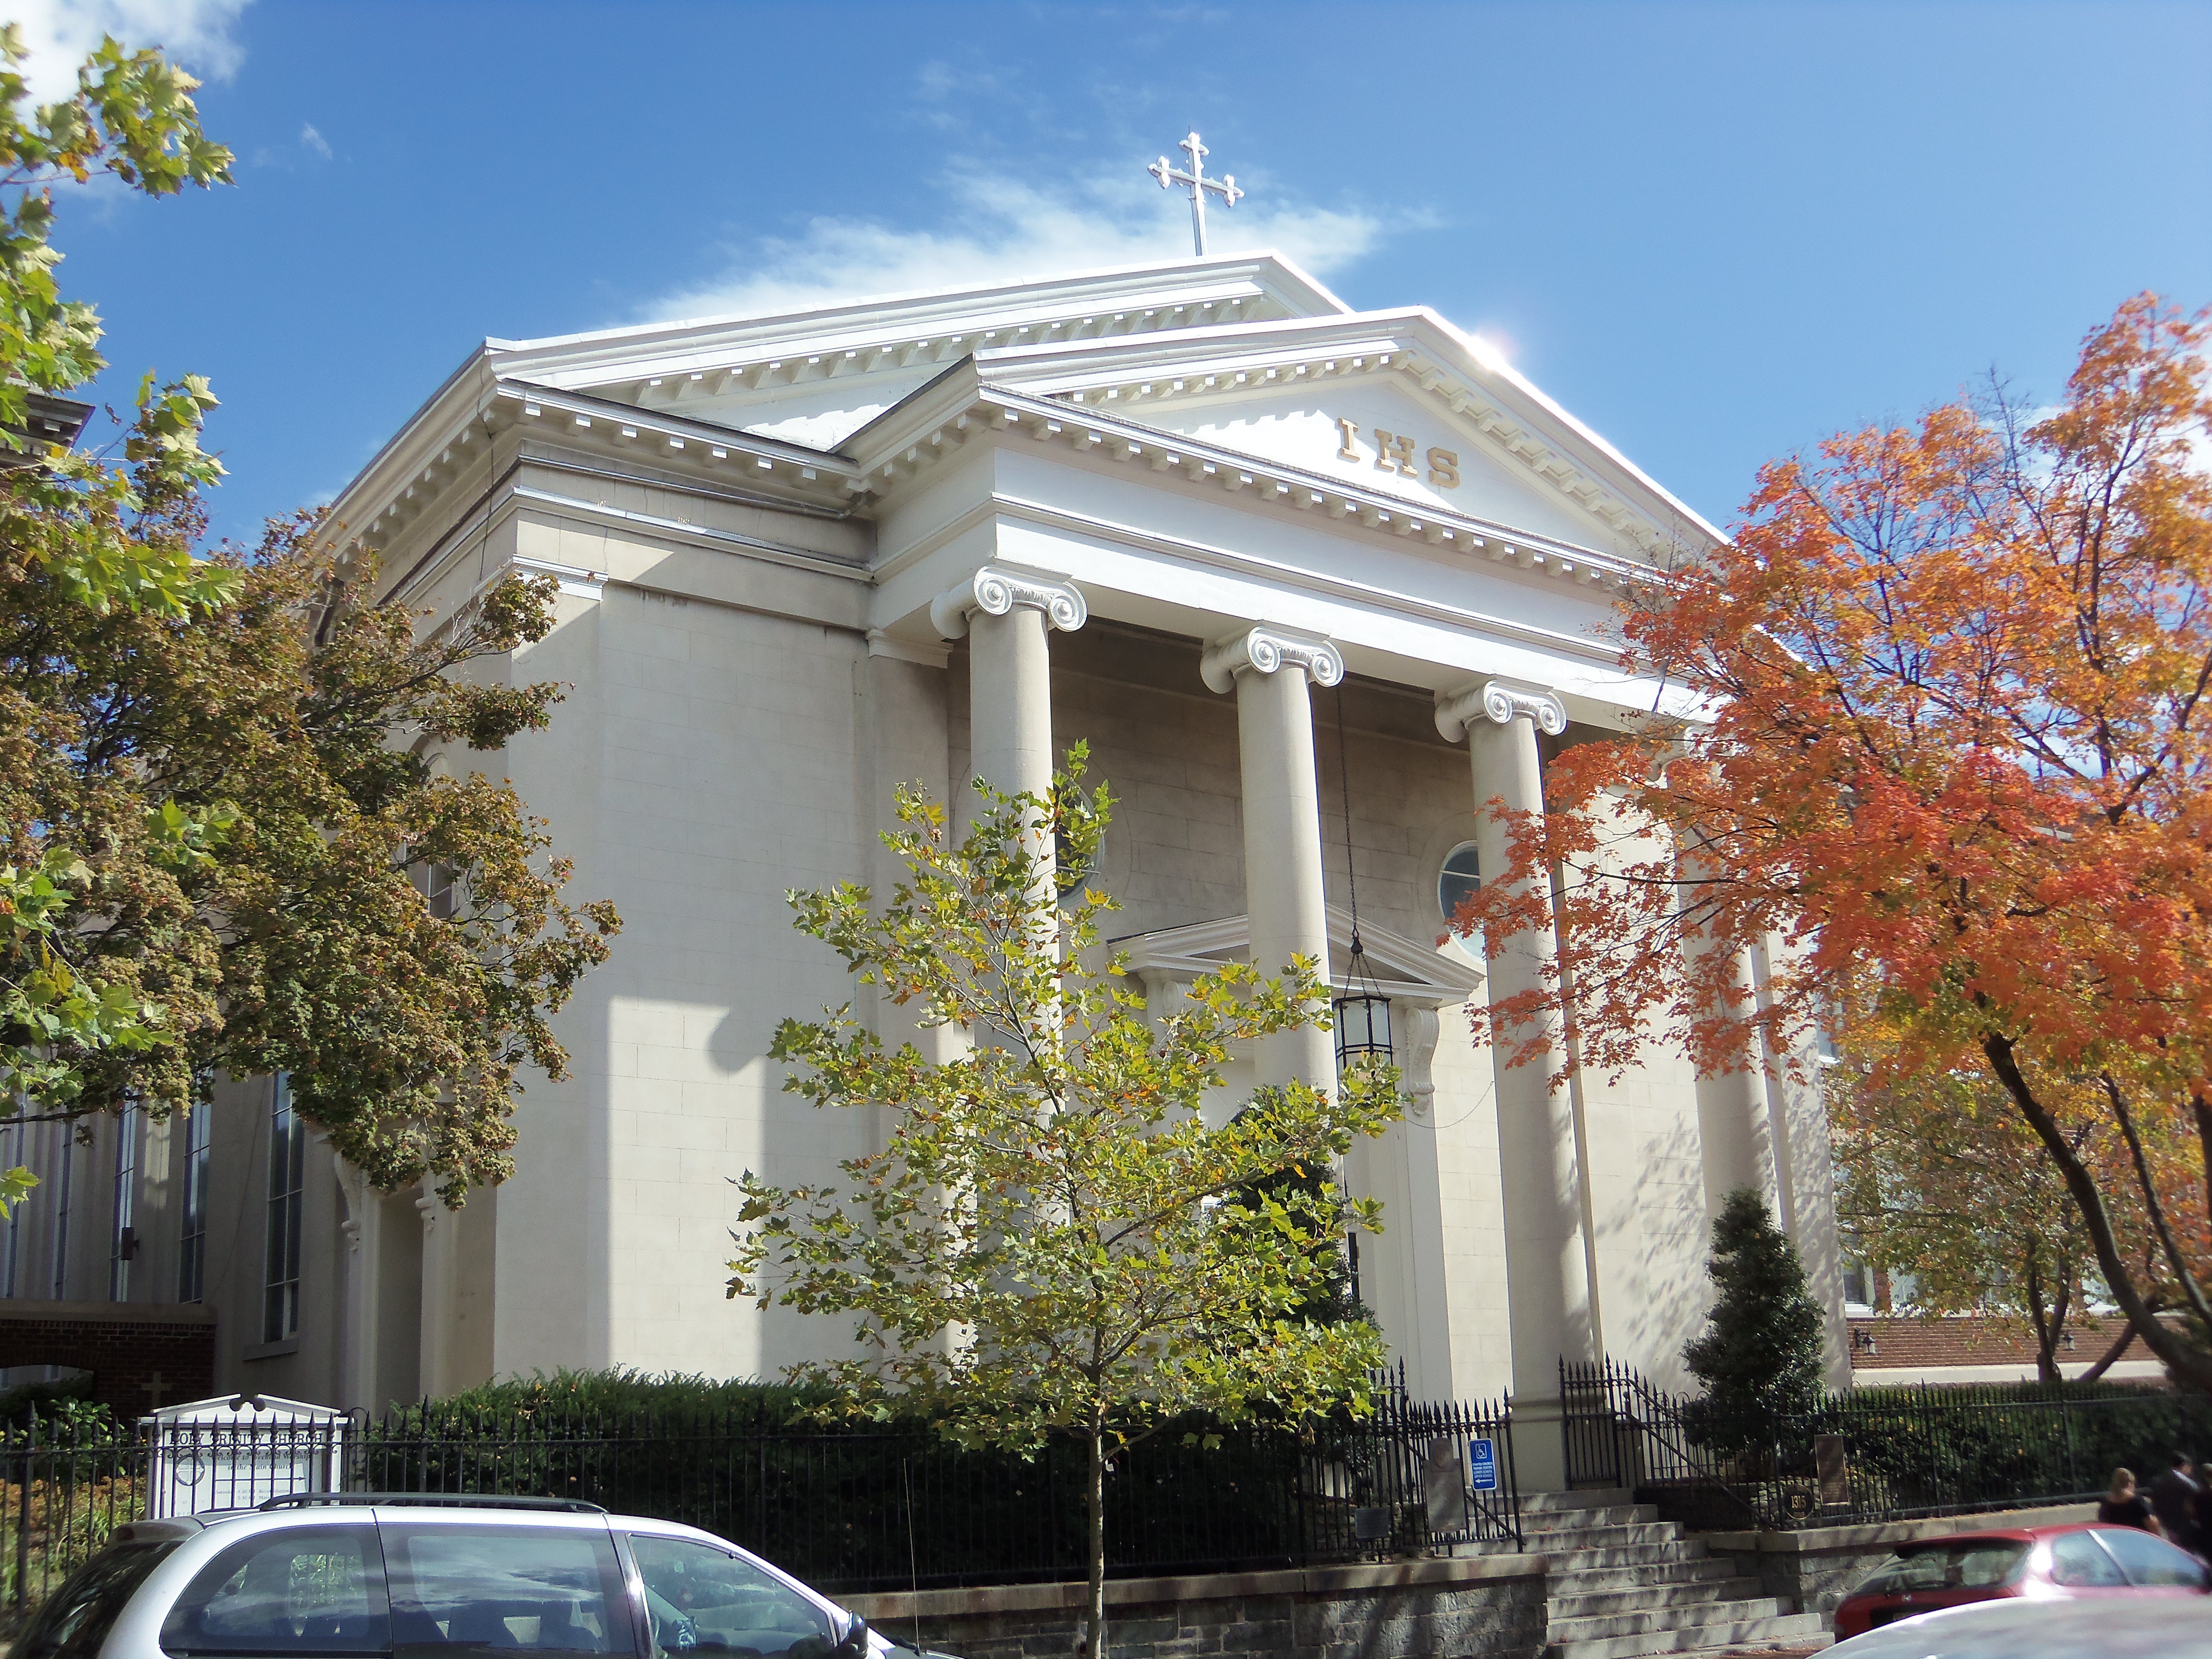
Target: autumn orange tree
point(1939, 747)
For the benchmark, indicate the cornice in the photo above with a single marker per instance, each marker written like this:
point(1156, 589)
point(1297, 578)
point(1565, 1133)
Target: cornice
point(1252, 567)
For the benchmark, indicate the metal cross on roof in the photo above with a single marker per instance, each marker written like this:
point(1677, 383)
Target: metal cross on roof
point(1224, 187)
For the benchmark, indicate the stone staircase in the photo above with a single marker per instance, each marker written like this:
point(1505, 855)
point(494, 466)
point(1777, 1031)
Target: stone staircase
point(1623, 1583)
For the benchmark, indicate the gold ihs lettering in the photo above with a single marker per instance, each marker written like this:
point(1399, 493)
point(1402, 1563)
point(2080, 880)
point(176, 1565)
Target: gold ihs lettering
point(1393, 453)
point(1344, 451)
point(1443, 469)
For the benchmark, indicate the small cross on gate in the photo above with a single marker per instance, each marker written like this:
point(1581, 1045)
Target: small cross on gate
point(1224, 187)
point(152, 1388)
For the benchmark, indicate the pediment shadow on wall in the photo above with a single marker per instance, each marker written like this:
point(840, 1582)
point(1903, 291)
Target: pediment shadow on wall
point(1405, 969)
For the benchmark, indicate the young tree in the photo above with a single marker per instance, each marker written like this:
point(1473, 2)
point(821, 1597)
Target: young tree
point(1940, 1181)
point(1948, 751)
point(1054, 1240)
point(219, 809)
point(1760, 1357)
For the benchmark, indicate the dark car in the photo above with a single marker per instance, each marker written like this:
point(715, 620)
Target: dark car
point(2088, 1562)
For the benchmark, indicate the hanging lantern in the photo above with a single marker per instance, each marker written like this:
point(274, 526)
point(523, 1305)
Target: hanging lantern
point(1362, 1015)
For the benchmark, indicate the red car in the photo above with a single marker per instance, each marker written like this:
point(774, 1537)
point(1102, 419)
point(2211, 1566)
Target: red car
point(2048, 1564)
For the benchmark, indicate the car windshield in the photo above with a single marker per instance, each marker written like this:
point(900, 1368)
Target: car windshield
point(1947, 1564)
point(73, 1622)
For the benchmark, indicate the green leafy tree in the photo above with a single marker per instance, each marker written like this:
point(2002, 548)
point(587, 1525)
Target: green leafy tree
point(1940, 1185)
point(1054, 1240)
point(226, 840)
point(68, 514)
point(1760, 1357)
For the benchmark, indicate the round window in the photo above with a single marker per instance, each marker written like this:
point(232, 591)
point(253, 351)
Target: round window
point(1457, 880)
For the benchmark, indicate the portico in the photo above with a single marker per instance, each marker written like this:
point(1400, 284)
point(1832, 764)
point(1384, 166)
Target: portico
point(1312, 585)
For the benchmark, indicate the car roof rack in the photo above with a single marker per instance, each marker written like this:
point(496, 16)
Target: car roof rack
point(299, 1500)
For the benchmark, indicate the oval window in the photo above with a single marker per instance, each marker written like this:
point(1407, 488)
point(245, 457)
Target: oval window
point(1457, 880)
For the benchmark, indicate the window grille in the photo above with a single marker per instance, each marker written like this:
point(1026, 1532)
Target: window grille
point(191, 1245)
point(123, 1239)
point(287, 1158)
point(62, 1187)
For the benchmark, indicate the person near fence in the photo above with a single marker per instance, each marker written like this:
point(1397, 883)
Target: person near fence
point(2173, 1500)
point(2123, 1507)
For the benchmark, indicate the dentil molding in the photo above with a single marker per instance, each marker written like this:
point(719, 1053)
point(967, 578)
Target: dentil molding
point(996, 589)
point(1265, 649)
point(1500, 703)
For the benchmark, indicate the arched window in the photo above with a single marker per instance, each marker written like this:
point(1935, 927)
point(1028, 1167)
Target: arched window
point(1456, 883)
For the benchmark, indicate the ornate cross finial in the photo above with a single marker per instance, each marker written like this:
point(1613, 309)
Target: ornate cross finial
point(1224, 187)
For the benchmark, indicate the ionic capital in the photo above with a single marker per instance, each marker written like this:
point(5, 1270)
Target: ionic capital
point(996, 589)
point(1264, 649)
point(1500, 703)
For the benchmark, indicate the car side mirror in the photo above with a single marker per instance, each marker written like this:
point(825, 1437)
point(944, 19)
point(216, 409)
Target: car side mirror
point(854, 1644)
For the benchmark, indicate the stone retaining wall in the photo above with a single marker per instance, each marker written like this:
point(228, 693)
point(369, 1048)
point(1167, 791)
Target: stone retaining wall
point(1816, 1566)
point(1491, 1606)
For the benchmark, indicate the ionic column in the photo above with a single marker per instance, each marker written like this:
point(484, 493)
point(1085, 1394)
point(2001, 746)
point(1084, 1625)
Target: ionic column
point(1735, 1128)
point(440, 1271)
point(364, 1237)
point(1007, 609)
point(1272, 670)
point(1548, 1271)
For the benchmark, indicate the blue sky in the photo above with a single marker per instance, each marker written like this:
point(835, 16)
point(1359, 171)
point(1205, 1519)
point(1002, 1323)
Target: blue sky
point(1715, 232)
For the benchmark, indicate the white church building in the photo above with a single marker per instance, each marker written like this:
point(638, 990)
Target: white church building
point(1264, 554)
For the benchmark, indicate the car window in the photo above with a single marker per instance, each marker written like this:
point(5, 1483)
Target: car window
point(75, 1618)
point(705, 1601)
point(1967, 1564)
point(2079, 1561)
point(525, 1589)
point(2150, 1561)
point(301, 1590)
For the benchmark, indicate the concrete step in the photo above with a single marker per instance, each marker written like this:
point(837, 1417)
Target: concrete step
point(1591, 1581)
point(1551, 1503)
point(1564, 1540)
point(1655, 1620)
point(1627, 1555)
point(1686, 1593)
point(1796, 1627)
point(1609, 1514)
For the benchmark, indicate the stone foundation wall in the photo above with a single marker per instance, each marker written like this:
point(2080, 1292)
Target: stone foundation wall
point(1817, 1567)
point(1491, 1606)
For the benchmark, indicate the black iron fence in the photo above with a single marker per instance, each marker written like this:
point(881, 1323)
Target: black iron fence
point(891, 1507)
point(879, 1508)
point(1874, 1453)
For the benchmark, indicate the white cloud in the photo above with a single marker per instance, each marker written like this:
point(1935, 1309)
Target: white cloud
point(999, 229)
point(59, 34)
point(314, 140)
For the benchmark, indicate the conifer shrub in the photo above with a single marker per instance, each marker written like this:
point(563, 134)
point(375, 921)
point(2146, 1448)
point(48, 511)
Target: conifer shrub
point(1760, 1357)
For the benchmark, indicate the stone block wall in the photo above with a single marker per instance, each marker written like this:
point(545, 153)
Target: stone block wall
point(1491, 1606)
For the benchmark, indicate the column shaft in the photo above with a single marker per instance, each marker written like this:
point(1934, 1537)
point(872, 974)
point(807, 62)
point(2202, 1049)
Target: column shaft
point(1282, 855)
point(1010, 701)
point(1549, 1277)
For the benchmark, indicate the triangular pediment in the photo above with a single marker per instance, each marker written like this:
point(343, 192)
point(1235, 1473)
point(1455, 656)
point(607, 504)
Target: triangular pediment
point(1405, 969)
point(814, 377)
point(1396, 402)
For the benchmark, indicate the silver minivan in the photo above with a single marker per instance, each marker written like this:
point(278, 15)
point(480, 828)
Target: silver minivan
point(402, 1576)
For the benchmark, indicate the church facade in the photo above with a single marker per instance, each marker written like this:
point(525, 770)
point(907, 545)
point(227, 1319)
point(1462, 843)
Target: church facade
point(1309, 582)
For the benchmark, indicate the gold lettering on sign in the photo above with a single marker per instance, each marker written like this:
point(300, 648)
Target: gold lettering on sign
point(1394, 453)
